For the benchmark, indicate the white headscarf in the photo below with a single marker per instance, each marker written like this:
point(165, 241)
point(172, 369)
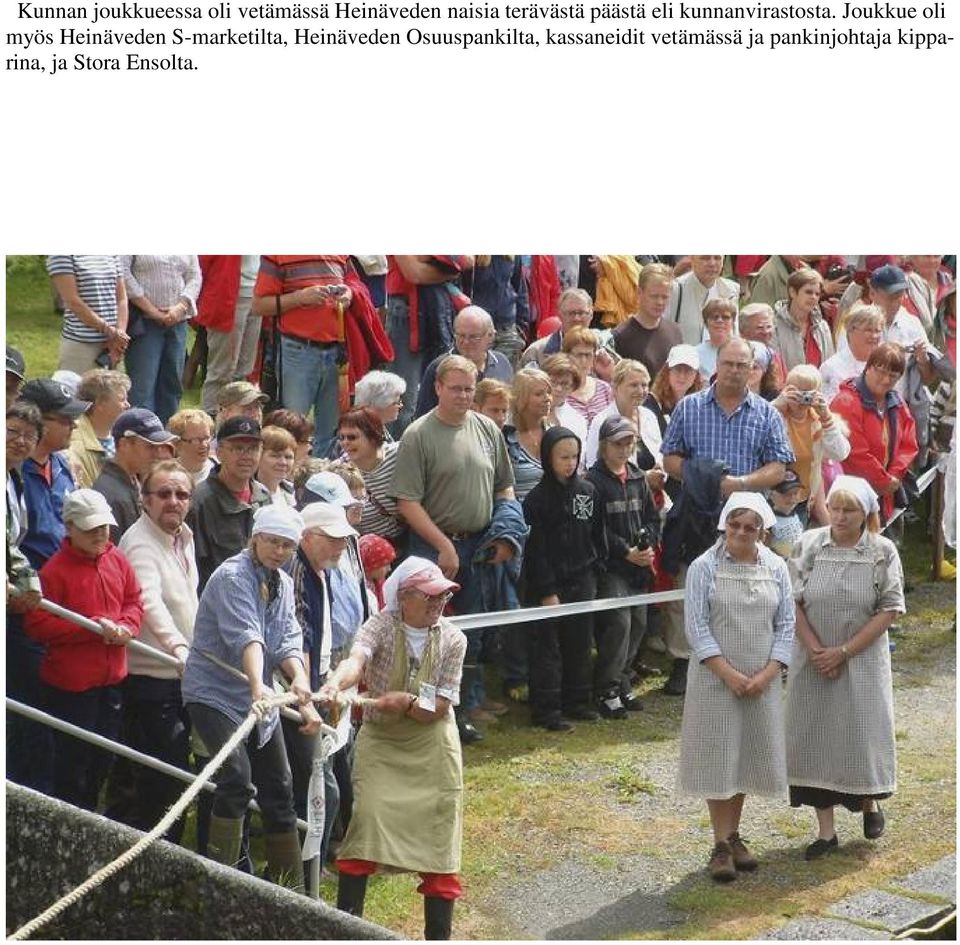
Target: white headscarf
point(860, 489)
point(753, 501)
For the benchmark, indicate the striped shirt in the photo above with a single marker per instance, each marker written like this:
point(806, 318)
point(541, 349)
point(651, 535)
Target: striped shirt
point(601, 399)
point(380, 509)
point(281, 275)
point(164, 280)
point(96, 278)
point(752, 436)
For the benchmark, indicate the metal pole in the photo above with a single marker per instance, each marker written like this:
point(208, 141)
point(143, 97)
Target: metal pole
point(937, 500)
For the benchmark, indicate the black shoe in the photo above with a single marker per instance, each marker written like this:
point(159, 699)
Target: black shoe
point(873, 823)
point(631, 703)
point(556, 725)
point(821, 847)
point(676, 685)
point(437, 918)
point(611, 707)
point(469, 734)
point(582, 714)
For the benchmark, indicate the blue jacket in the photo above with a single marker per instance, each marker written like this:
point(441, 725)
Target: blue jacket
point(498, 583)
point(45, 528)
point(501, 290)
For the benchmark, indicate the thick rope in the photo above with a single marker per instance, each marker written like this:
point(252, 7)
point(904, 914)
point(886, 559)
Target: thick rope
point(256, 712)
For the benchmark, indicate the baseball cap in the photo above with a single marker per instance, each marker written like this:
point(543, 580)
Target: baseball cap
point(15, 363)
point(888, 279)
point(237, 427)
point(683, 354)
point(617, 428)
point(428, 579)
point(138, 421)
point(53, 397)
point(70, 379)
point(87, 508)
point(280, 520)
point(330, 519)
point(240, 392)
point(790, 481)
point(328, 487)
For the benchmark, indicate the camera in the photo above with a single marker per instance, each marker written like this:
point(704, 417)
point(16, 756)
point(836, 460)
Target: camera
point(840, 272)
point(807, 397)
point(642, 542)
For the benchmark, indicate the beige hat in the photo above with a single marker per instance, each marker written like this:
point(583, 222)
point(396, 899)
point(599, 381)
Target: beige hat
point(86, 509)
point(240, 392)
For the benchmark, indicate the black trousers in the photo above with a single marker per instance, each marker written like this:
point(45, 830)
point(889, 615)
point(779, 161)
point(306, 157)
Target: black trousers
point(561, 678)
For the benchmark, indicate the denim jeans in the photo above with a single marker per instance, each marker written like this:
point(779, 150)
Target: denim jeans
point(155, 364)
point(310, 379)
point(406, 363)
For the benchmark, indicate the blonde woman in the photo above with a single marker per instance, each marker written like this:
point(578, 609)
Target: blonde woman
point(195, 429)
point(532, 398)
point(565, 378)
point(593, 395)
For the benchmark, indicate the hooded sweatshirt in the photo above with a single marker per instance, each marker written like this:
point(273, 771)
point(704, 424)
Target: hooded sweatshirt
point(566, 525)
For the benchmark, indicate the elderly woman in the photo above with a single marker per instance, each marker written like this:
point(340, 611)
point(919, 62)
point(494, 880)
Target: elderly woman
point(592, 395)
point(246, 618)
point(408, 774)
point(814, 435)
point(800, 333)
point(841, 747)
point(739, 615)
point(881, 430)
point(363, 439)
point(532, 400)
point(383, 393)
point(91, 443)
point(864, 332)
point(195, 429)
point(719, 317)
point(565, 378)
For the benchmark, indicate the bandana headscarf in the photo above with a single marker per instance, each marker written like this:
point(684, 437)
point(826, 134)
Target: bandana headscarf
point(860, 489)
point(752, 501)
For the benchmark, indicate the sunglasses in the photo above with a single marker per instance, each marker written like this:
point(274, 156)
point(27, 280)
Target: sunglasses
point(168, 493)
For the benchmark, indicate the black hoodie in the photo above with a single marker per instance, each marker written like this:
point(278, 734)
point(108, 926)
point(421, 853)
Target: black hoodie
point(566, 526)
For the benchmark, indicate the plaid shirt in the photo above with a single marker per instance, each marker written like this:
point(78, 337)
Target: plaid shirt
point(752, 436)
point(375, 641)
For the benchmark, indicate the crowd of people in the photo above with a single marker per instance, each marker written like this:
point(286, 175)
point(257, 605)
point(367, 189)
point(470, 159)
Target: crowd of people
point(499, 432)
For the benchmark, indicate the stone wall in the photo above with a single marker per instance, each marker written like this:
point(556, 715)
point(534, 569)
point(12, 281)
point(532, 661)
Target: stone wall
point(167, 893)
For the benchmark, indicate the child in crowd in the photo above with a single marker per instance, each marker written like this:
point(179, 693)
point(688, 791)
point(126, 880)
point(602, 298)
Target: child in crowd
point(377, 555)
point(787, 528)
point(563, 555)
point(492, 399)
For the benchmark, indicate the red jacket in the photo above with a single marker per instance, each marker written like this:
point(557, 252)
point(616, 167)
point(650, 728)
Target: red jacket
point(217, 303)
point(76, 659)
point(868, 458)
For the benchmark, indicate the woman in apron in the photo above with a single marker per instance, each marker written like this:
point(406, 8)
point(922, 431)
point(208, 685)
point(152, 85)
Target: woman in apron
point(848, 584)
point(407, 772)
point(739, 616)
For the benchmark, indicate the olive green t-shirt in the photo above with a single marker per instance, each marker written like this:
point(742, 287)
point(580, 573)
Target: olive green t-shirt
point(453, 472)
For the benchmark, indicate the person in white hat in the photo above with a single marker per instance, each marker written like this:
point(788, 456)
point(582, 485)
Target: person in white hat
point(246, 618)
point(408, 777)
point(739, 621)
point(841, 744)
point(81, 672)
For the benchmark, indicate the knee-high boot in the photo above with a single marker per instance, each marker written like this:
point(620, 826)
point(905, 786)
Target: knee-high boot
point(437, 918)
point(284, 859)
point(223, 842)
point(351, 892)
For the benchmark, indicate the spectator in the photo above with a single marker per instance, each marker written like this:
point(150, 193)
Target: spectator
point(744, 444)
point(276, 465)
point(162, 293)
point(593, 395)
point(765, 378)
point(82, 671)
point(221, 514)
point(883, 441)
point(770, 285)
point(473, 334)
point(16, 369)
point(492, 399)
point(632, 528)
point(841, 744)
point(565, 378)
point(646, 336)
point(800, 333)
point(563, 555)
point(575, 310)
point(739, 619)
point(408, 766)
point(140, 441)
point(363, 440)
point(377, 555)
point(246, 618)
point(719, 317)
point(240, 399)
point(305, 293)
point(497, 285)
point(159, 547)
point(864, 331)
point(785, 498)
point(92, 443)
point(24, 428)
point(756, 324)
point(616, 288)
point(679, 376)
point(928, 283)
point(383, 393)
point(95, 311)
point(422, 300)
point(531, 401)
point(194, 431)
point(452, 467)
point(297, 424)
point(693, 290)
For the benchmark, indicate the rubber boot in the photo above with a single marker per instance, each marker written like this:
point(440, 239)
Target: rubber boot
point(437, 918)
point(223, 841)
point(351, 891)
point(284, 859)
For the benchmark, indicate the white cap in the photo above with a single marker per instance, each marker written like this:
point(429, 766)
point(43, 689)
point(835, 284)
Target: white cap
point(87, 508)
point(752, 501)
point(329, 487)
point(330, 519)
point(279, 520)
point(683, 354)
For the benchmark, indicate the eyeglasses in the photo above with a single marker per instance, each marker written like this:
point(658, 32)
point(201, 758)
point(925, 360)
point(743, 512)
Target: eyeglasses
point(737, 527)
point(886, 372)
point(25, 436)
point(440, 599)
point(196, 439)
point(719, 318)
point(471, 338)
point(249, 450)
point(736, 365)
point(578, 313)
point(168, 493)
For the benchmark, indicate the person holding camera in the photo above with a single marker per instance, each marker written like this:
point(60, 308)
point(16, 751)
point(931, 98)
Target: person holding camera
point(632, 526)
point(814, 436)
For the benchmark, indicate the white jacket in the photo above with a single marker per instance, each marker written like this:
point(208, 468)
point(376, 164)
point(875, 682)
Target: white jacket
point(687, 299)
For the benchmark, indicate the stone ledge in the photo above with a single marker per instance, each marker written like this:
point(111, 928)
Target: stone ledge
point(937, 879)
point(894, 913)
point(825, 930)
